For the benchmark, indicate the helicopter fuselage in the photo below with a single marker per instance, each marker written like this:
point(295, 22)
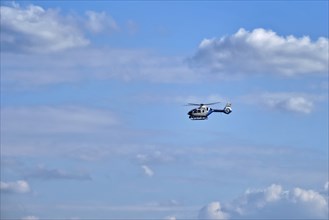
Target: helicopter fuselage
point(204, 111)
point(200, 113)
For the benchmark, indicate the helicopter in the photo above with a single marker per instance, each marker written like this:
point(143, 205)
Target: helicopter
point(203, 111)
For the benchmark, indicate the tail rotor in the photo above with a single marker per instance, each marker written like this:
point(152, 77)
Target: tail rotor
point(228, 108)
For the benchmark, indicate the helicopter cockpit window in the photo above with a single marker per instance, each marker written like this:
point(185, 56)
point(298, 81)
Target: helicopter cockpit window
point(199, 111)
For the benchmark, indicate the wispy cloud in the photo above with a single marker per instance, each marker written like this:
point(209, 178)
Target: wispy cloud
point(74, 66)
point(137, 208)
point(154, 157)
point(132, 27)
point(98, 22)
point(57, 174)
point(20, 186)
point(262, 51)
point(30, 217)
point(48, 119)
point(46, 130)
point(326, 186)
point(289, 102)
point(254, 161)
point(147, 170)
point(286, 101)
point(170, 218)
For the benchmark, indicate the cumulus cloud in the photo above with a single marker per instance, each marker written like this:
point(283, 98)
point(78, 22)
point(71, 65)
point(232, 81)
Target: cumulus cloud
point(212, 211)
point(271, 202)
point(20, 186)
point(261, 52)
point(147, 170)
point(100, 21)
point(35, 29)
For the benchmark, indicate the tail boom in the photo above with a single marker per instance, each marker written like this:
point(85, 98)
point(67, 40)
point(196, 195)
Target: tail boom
point(227, 109)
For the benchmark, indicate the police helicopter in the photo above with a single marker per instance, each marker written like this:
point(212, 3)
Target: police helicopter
point(203, 111)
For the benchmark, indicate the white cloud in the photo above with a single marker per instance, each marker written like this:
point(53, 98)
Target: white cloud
point(272, 202)
point(212, 211)
point(326, 186)
point(285, 101)
point(35, 29)
point(147, 170)
point(100, 21)
point(310, 199)
point(170, 218)
point(20, 186)
point(39, 30)
point(154, 157)
point(288, 101)
point(261, 52)
point(30, 217)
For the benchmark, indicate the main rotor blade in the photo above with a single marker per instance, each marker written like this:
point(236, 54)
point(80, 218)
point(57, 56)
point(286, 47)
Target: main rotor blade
point(194, 104)
point(213, 103)
point(201, 104)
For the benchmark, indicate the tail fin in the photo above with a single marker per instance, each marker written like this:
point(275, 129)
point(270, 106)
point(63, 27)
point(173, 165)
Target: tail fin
point(227, 109)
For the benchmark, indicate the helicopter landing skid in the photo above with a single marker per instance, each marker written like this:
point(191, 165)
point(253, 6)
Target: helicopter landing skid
point(198, 118)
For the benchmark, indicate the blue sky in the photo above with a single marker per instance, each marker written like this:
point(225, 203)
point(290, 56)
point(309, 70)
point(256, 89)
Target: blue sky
point(93, 122)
